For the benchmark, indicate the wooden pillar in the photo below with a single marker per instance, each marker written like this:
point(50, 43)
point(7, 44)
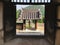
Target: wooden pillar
point(24, 25)
point(29, 23)
point(35, 24)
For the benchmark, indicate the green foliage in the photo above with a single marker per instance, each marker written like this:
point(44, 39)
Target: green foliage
point(27, 26)
point(18, 12)
point(41, 20)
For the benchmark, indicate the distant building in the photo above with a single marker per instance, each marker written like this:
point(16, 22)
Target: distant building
point(29, 14)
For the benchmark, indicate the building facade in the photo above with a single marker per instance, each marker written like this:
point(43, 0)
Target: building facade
point(29, 14)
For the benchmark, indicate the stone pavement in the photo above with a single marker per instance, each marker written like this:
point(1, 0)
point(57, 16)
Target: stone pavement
point(26, 41)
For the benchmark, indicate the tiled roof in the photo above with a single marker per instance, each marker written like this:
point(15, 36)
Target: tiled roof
point(30, 14)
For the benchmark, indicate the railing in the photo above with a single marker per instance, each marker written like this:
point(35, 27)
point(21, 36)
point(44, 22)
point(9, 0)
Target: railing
point(32, 1)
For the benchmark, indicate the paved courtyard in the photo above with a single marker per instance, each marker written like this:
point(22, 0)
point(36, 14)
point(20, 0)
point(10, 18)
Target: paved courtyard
point(40, 29)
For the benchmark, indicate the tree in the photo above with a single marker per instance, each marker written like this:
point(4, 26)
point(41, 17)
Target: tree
point(18, 12)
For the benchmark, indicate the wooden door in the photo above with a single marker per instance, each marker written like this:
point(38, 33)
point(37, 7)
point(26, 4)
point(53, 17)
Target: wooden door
point(50, 23)
point(9, 21)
